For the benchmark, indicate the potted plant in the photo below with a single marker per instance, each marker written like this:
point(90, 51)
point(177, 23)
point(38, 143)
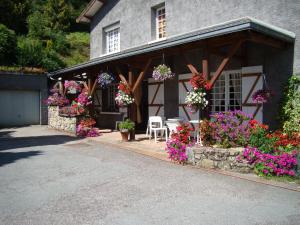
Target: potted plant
point(125, 128)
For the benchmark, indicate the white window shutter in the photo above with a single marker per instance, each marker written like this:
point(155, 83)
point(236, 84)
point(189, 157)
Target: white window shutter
point(183, 87)
point(155, 98)
point(252, 80)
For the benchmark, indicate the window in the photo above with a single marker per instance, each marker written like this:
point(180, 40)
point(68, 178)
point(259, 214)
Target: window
point(227, 92)
point(160, 22)
point(108, 99)
point(112, 39)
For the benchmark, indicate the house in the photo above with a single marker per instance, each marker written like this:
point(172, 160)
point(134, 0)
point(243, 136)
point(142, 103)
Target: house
point(240, 46)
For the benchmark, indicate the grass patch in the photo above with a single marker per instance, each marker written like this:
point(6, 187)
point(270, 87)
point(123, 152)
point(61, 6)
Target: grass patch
point(19, 69)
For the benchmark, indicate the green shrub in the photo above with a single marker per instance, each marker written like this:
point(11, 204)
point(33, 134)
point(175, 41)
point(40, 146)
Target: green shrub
point(8, 43)
point(30, 52)
point(127, 125)
point(290, 111)
point(260, 138)
point(51, 61)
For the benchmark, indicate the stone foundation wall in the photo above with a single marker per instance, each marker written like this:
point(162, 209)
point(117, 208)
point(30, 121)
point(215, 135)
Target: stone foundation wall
point(218, 158)
point(59, 122)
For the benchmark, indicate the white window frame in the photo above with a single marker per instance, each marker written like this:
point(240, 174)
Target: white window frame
point(227, 91)
point(157, 23)
point(107, 31)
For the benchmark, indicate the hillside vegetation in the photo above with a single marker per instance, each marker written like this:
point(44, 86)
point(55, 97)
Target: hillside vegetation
point(42, 34)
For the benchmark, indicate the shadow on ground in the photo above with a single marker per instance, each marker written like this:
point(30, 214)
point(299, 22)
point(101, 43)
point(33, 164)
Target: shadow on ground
point(13, 143)
point(10, 157)
point(32, 141)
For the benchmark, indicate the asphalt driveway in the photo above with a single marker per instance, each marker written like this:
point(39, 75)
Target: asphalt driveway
point(49, 178)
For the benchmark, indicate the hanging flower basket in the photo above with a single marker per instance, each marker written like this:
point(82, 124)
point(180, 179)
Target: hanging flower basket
point(162, 72)
point(72, 86)
point(105, 79)
point(262, 96)
point(199, 82)
point(123, 97)
point(196, 100)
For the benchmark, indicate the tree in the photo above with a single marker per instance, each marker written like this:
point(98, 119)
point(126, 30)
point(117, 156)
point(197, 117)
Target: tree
point(58, 14)
point(14, 13)
point(8, 42)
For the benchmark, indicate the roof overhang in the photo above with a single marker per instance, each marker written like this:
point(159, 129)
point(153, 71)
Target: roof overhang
point(230, 27)
point(90, 10)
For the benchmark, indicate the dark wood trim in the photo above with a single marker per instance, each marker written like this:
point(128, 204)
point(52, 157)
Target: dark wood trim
point(153, 105)
point(185, 87)
point(186, 113)
point(155, 94)
point(141, 76)
point(155, 83)
point(157, 111)
point(251, 90)
point(225, 61)
point(256, 111)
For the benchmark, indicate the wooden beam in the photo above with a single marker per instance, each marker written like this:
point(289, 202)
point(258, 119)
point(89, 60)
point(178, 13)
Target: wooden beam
point(124, 80)
point(94, 87)
point(265, 40)
point(130, 78)
point(225, 61)
point(205, 72)
point(141, 76)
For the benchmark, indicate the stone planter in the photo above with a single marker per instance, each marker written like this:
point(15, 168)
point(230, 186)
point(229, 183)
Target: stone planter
point(218, 158)
point(62, 123)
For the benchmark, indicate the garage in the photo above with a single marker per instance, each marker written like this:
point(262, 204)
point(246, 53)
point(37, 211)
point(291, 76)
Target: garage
point(21, 108)
point(21, 99)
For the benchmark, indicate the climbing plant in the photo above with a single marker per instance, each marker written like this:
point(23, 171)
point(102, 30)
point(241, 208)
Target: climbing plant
point(290, 110)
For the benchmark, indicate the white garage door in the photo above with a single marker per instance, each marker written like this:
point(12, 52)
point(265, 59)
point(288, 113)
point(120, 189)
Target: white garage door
point(19, 108)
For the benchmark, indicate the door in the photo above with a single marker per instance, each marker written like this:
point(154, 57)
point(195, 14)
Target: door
point(252, 81)
point(155, 98)
point(19, 108)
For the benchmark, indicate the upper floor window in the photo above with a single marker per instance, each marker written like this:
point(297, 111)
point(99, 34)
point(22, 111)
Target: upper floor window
point(161, 22)
point(112, 39)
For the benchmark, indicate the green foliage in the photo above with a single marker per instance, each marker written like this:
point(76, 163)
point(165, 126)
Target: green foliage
point(127, 125)
point(46, 45)
point(13, 14)
point(7, 45)
point(260, 139)
point(79, 48)
point(290, 111)
point(52, 61)
point(30, 52)
point(58, 13)
point(37, 26)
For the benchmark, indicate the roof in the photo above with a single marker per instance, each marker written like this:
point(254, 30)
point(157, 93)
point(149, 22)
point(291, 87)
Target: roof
point(89, 11)
point(228, 27)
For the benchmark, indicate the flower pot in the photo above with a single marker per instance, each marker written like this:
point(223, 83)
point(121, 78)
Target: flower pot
point(124, 134)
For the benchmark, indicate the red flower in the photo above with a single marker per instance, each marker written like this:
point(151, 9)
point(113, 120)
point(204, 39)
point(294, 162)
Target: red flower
point(199, 81)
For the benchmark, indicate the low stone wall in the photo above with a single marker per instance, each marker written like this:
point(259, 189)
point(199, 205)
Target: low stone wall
point(59, 122)
point(218, 158)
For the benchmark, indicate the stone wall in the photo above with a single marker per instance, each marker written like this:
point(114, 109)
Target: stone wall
point(218, 158)
point(59, 122)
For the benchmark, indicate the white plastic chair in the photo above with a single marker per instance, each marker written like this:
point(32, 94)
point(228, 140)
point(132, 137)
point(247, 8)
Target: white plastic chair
point(172, 125)
point(156, 125)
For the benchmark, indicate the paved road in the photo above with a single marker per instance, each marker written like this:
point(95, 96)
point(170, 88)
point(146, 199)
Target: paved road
point(48, 178)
